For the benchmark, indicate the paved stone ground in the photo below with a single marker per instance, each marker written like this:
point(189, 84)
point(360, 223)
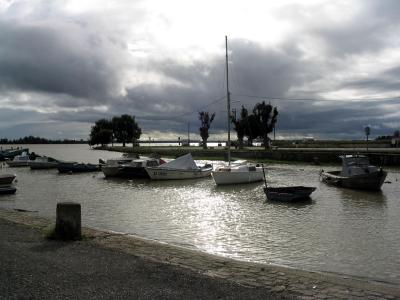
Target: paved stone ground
point(238, 280)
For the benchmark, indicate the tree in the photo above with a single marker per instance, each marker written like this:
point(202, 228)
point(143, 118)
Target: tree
point(253, 129)
point(101, 132)
point(266, 121)
point(206, 121)
point(126, 129)
point(240, 125)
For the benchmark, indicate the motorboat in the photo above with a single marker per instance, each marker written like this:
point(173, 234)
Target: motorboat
point(22, 160)
point(9, 154)
point(356, 173)
point(75, 167)
point(134, 168)
point(289, 193)
point(43, 162)
point(184, 167)
point(6, 179)
point(237, 172)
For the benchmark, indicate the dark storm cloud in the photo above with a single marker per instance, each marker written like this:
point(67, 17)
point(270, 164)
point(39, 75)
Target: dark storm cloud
point(59, 58)
point(373, 28)
point(82, 63)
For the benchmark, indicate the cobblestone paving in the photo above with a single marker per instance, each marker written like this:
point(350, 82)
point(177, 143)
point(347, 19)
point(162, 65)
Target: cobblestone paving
point(280, 280)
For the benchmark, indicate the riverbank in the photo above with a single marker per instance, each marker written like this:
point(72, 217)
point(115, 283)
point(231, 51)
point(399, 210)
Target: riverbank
point(114, 265)
point(378, 156)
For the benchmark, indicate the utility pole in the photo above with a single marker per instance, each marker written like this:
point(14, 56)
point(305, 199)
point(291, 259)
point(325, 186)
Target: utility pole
point(188, 134)
point(228, 101)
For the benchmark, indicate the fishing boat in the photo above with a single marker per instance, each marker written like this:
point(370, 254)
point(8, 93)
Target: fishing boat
point(43, 162)
point(184, 167)
point(287, 193)
point(134, 168)
point(242, 172)
point(22, 160)
point(75, 167)
point(356, 173)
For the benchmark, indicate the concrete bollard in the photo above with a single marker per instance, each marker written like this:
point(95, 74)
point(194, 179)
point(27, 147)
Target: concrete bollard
point(68, 221)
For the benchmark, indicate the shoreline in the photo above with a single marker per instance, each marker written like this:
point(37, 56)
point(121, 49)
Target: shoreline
point(279, 280)
point(379, 156)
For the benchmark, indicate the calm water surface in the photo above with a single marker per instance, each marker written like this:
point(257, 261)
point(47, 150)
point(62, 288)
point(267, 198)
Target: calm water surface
point(340, 230)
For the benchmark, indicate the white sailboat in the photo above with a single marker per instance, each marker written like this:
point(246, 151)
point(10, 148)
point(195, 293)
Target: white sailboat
point(239, 172)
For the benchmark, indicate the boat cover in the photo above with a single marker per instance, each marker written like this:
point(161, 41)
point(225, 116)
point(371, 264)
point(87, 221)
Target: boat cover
point(184, 162)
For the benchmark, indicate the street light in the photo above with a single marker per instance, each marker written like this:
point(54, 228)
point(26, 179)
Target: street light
point(367, 130)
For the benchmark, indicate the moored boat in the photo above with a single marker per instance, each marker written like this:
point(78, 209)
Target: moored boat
point(236, 173)
point(4, 190)
point(130, 169)
point(19, 160)
point(43, 162)
point(184, 167)
point(9, 154)
point(288, 193)
point(6, 179)
point(356, 173)
point(75, 167)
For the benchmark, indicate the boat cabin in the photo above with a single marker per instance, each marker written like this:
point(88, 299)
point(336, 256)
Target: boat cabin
point(353, 165)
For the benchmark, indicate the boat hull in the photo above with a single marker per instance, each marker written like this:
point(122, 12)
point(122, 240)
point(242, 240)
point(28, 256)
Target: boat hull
point(77, 168)
point(237, 177)
point(5, 190)
point(370, 181)
point(42, 165)
point(17, 164)
point(174, 174)
point(289, 194)
point(6, 179)
point(125, 172)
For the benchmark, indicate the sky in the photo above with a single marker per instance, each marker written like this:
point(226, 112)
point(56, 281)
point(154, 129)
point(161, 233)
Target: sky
point(330, 67)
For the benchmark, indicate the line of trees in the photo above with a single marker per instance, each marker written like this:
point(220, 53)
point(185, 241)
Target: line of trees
point(122, 129)
point(38, 140)
point(258, 124)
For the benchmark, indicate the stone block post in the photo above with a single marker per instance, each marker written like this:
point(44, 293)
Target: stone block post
point(68, 221)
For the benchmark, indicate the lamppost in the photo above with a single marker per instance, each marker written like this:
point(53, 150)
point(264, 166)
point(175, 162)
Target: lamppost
point(367, 130)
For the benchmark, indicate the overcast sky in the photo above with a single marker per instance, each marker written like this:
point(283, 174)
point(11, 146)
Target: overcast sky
point(330, 67)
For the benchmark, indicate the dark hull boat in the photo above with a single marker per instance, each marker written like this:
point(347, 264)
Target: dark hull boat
point(74, 167)
point(130, 169)
point(6, 179)
point(6, 186)
point(288, 194)
point(356, 173)
point(4, 190)
point(370, 181)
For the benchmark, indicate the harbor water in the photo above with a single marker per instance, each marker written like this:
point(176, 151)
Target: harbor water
point(340, 230)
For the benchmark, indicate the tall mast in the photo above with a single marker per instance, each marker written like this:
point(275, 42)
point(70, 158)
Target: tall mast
point(228, 96)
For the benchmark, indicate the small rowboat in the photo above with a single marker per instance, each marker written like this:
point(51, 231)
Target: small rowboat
point(287, 193)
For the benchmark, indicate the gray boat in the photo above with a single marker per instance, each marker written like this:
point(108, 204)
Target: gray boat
point(356, 173)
